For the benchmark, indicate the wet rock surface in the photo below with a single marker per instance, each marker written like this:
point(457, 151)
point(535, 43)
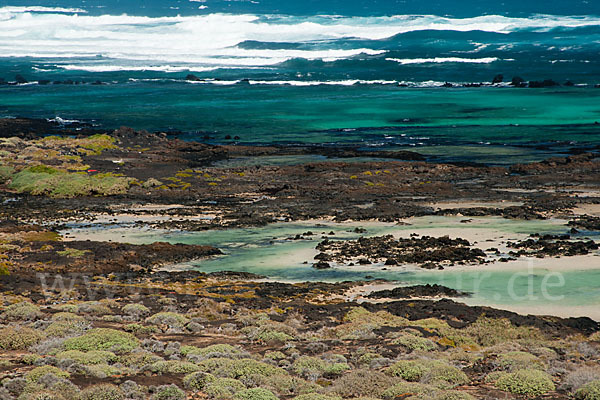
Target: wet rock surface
point(398, 185)
point(417, 291)
point(428, 252)
point(552, 246)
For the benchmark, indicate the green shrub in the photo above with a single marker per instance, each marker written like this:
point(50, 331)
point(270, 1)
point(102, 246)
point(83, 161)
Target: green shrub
point(64, 316)
point(288, 385)
point(6, 172)
point(238, 369)
point(68, 308)
point(436, 373)
point(35, 374)
point(138, 329)
point(103, 339)
point(18, 338)
point(255, 394)
point(171, 319)
point(490, 331)
point(404, 390)
point(515, 360)
point(89, 358)
point(136, 310)
point(453, 395)
point(589, 391)
point(362, 383)
point(315, 396)
point(168, 392)
point(360, 323)
point(530, 383)
point(444, 376)
point(174, 367)
point(313, 367)
point(275, 355)
point(30, 359)
point(139, 359)
point(223, 388)
point(213, 351)
point(102, 392)
point(23, 311)
point(413, 342)
point(66, 328)
point(94, 308)
point(101, 371)
point(269, 331)
point(409, 370)
point(198, 380)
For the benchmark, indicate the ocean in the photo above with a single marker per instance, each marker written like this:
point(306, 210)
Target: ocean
point(373, 74)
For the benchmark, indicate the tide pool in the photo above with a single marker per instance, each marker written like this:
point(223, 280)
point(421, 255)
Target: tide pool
point(542, 284)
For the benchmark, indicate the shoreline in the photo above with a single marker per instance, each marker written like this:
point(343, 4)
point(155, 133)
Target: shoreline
point(68, 277)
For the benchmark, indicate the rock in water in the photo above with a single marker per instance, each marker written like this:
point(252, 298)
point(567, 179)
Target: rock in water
point(543, 84)
point(517, 81)
point(498, 79)
point(20, 79)
point(321, 265)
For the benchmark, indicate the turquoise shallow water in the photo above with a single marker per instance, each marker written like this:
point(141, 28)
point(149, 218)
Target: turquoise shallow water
point(267, 251)
point(489, 123)
point(367, 73)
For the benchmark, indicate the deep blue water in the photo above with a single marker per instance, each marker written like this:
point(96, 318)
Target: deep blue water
point(332, 71)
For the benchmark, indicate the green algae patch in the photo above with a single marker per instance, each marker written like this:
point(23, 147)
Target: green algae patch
point(42, 180)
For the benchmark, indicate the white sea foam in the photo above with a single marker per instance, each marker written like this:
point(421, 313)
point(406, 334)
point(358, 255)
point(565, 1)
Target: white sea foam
point(439, 60)
point(41, 9)
point(348, 82)
point(214, 39)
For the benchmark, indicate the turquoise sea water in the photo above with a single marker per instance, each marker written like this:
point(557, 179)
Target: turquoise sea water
point(325, 72)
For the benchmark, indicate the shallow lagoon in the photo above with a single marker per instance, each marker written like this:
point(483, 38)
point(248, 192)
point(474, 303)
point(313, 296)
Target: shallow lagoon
point(532, 286)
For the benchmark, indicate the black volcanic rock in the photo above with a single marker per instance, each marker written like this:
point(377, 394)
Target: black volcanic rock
point(321, 265)
point(498, 79)
point(543, 84)
point(417, 291)
point(20, 79)
point(517, 81)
